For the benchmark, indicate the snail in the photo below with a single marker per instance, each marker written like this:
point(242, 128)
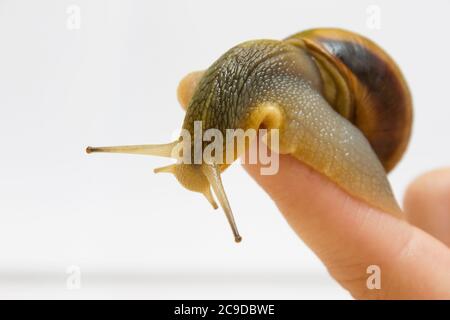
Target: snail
point(339, 102)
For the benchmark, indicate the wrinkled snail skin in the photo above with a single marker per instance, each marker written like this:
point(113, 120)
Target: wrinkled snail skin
point(339, 102)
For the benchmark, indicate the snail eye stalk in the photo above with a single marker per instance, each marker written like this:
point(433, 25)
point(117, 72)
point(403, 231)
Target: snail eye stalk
point(161, 150)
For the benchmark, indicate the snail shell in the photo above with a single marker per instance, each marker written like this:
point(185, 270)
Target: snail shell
point(364, 84)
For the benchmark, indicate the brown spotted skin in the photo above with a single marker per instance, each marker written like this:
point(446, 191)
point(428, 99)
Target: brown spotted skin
point(380, 98)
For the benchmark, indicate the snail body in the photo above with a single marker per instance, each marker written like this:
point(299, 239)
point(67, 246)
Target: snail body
point(338, 101)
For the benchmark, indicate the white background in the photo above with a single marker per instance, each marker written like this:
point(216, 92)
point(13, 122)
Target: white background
point(134, 234)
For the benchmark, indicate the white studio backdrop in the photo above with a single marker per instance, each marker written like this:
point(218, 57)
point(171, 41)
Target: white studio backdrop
point(78, 73)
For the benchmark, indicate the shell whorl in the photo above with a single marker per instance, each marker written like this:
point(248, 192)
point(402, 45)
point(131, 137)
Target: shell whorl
point(369, 89)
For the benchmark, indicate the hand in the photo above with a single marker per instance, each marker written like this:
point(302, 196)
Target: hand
point(349, 236)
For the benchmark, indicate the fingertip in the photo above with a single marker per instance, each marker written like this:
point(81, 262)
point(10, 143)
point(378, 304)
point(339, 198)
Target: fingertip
point(427, 203)
point(349, 236)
